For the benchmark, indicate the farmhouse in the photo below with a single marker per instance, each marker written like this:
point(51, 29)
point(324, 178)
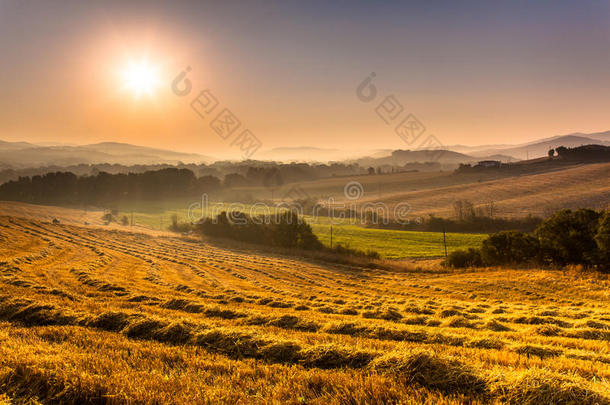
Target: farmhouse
point(488, 163)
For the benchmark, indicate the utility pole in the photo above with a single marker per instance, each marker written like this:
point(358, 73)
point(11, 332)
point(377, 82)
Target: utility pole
point(331, 236)
point(445, 242)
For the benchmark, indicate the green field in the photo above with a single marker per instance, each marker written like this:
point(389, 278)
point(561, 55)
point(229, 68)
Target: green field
point(396, 244)
point(390, 244)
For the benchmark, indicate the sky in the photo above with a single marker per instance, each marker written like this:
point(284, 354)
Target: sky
point(470, 72)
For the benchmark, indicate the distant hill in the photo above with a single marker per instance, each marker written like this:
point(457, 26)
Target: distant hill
point(541, 148)
point(470, 149)
point(444, 157)
point(313, 154)
point(4, 145)
point(22, 154)
point(602, 136)
point(535, 149)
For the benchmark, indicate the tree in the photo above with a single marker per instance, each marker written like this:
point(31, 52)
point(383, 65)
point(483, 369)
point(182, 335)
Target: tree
point(272, 178)
point(371, 170)
point(551, 153)
point(568, 237)
point(561, 150)
point(206, 184)
point(463, 210)
point(509, 247)
point(284, 229)
point(107, 218)
point(464, 258)
point(602, 238)
point(235, 180)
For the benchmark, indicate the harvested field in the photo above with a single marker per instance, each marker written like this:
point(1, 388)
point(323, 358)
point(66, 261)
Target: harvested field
point(89, 315)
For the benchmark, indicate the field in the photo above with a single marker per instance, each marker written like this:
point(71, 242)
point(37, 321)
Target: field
point(392, 244)
point(513, 194)
point(93, 315)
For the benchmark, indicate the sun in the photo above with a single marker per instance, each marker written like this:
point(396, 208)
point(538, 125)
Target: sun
point(141, 78)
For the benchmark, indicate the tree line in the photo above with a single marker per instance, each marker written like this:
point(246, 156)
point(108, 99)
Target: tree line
point(568, 237)
point(68, 188)
point(284, 229)
point(255, 172)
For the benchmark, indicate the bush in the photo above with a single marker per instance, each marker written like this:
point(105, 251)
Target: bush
point(509, 247)
point(346, 250)
point(464, 258)
point(179, 227)
point(284, 229)
point(602, 239)
point(568, 237)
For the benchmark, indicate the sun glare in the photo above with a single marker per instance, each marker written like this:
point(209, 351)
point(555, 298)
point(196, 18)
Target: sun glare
point(140, 78)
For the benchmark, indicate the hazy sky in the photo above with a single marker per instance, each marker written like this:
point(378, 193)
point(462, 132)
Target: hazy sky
point(471, 72)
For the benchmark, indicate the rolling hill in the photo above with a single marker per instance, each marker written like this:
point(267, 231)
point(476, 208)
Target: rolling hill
point(22, 154)
point(112, 317)
point(444, 157)
point(514, 194)
point(537, 148)
point(537, 194)
point(541, 148)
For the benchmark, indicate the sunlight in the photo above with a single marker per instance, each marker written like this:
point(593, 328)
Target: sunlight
point(140, 78)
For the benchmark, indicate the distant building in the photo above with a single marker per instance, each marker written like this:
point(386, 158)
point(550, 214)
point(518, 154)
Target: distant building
point(488, 163)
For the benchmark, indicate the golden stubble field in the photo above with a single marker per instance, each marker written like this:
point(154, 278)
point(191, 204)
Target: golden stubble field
point(513, 195)
point(103, 316)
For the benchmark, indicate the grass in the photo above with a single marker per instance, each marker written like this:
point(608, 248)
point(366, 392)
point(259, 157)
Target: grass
point(103, 316)
point(393, 244)
point(390, 244)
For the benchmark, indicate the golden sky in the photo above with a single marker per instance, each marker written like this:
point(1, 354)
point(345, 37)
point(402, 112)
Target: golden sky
point(473, 73)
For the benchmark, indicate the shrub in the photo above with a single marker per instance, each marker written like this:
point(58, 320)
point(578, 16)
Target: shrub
point(509, 247)
point(284, 229)
point(346, 250)
point(602, 239)
point(568, 237)
point(464, 258)
point(177, 226)
point(580, 237)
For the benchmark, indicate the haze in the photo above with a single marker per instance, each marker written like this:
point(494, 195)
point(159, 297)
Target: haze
point(473, 73)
